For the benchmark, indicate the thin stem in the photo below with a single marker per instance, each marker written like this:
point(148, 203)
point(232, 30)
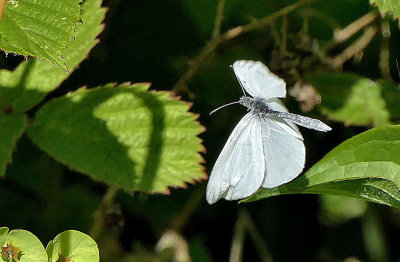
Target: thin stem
point(100, 213)
point(374, 235)
point(236, 254)
point(257, 239)
point(384, 56)
point(218, 19)
point(3, 4)
point(354, 27)
point(180, 221)
point(211, 46)
point(355, 47)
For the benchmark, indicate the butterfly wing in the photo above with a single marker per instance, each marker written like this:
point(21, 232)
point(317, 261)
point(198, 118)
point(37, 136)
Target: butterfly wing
point(284, 154)
point(276, 105)
point(258, 81)
point(239, 169)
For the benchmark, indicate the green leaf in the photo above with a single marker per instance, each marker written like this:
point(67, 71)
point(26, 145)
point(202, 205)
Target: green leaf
point(12, 127)
point(30, 82)
point(351, 99)
point(75, 245)
point(366, 167)
point(3, 235)
point(126, 135)
point(39, 28)
point(30, 247)
point(388, 6)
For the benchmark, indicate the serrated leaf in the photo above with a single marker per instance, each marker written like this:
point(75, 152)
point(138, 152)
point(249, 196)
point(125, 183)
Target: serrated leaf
point(366, 167)
point(31, 249)
point(39, 28)
point(125, 135)
point(388, 6)
point(351, 99)
point(12, 127)
point(29, 83)
point(73, 246)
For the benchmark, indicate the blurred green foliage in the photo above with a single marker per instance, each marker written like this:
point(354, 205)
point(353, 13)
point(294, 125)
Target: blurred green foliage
point(157, 41)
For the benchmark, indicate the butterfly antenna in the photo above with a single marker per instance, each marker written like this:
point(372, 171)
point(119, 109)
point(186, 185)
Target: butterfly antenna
point(215, 110)
point(240, 82)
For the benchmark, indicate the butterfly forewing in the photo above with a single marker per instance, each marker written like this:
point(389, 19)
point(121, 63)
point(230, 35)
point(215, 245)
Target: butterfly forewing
point(239, 169)
point(258, 81)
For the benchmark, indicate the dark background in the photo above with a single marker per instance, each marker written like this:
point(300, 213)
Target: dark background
point(153, 41)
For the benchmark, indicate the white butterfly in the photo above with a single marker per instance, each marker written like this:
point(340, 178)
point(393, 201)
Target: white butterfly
point(266, 148)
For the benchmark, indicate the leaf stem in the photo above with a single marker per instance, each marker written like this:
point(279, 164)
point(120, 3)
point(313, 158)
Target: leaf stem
point(217, 39)
point(100, 213)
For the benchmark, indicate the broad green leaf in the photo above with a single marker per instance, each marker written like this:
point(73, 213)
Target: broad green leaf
point(388, 6)
point(12, 127)
point(351, 99)
point(39, 28)
point(73, 245)
point(366, 167)
point(30, 247)
point(126, 135)
point(29, 83)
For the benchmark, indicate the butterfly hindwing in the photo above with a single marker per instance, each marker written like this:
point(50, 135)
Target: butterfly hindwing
point(284, 154)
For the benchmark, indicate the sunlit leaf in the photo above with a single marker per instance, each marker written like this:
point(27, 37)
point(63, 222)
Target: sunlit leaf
point(388, 6)
point(351, 99)
point(71, 246)
point(29, 83)
point(29, 246)
point(125, 135)
point(12, 127)
point(366, 167)
point(39, 28)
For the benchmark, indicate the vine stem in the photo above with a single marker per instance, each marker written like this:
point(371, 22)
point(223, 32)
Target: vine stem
point(100, 213)
point(217, 39)
point(2, 7)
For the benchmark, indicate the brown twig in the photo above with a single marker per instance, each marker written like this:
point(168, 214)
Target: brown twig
point(355, 47)
point(211, 45)
point(3, 4)
point(354, 27)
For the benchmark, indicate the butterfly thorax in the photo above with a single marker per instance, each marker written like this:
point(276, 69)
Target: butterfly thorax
point(256, 105)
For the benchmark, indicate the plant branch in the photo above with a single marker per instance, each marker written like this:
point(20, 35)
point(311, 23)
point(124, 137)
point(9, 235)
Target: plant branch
point(3, 4)
point(211, 45)
point(354, 27)
point(355, 47)
point(101, 212)
point(384, 55)
point(218, 19)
